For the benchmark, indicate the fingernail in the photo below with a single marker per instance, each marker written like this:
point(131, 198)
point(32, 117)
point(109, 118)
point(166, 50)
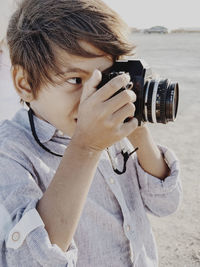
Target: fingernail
point(96, 72)
point(129, 85)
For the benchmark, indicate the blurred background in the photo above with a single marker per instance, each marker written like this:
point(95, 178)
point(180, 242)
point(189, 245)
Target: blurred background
point(167, 37)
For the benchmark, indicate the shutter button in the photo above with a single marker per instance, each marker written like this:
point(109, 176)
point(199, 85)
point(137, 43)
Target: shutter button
point(15, 236)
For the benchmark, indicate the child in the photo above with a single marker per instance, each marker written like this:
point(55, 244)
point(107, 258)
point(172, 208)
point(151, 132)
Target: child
point(62, 204)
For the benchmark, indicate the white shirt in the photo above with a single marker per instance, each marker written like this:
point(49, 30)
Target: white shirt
point(114, 230)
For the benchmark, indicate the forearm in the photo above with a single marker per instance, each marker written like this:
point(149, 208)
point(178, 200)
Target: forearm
point(62, 203)
point(149, 155)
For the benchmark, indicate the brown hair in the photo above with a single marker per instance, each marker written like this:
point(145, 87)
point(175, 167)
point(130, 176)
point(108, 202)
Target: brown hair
point(37, 27)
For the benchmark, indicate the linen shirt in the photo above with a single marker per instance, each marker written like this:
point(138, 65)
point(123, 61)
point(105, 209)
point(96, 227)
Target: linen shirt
point(113, 231)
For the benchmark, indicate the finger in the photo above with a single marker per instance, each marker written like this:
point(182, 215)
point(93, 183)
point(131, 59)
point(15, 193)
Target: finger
point(106, 91)
point(120, 100)
point(90, 85)
point(126, 111)
point(130, 85)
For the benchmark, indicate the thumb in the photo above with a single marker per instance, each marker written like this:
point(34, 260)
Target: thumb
point(90, 85)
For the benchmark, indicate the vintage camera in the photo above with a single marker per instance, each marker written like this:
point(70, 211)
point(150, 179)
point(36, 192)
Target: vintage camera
point(157, 99)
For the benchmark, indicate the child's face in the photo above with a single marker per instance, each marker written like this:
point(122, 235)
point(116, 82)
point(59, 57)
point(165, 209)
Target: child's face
point(58, 104)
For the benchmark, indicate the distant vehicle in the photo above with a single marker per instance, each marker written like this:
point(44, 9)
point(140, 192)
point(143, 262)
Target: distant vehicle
point(156, 29)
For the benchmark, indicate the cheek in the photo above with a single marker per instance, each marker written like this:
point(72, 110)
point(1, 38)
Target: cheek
point(59, 100)
point(74, 98)
point(69, 102)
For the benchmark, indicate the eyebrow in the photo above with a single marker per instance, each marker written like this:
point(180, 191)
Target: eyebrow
point(72, 70)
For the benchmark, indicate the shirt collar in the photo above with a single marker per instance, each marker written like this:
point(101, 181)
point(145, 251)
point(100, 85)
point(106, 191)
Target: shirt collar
point(44, 130)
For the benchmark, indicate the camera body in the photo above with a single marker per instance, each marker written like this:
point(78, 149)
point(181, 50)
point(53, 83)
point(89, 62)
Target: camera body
point(157, 99)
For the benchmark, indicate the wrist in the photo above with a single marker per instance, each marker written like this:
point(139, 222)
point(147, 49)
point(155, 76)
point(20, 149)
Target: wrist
point(139, 135)
point(84, 149)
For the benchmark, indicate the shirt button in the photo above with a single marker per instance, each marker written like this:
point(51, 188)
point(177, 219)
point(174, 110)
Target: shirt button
point(60, 133)
point(15, 236)
point(112, 181)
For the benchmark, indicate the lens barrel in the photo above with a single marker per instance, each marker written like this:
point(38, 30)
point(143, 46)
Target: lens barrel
point(161, 100)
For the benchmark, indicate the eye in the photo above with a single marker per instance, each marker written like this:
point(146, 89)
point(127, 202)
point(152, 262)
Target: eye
point(75, 80)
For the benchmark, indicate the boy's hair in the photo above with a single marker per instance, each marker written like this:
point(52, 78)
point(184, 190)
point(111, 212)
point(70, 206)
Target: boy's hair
point(38, 27)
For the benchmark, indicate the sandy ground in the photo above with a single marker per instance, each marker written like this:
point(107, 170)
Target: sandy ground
point(178, 235)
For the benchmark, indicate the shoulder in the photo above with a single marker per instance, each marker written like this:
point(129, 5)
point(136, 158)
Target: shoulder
point(15, 134)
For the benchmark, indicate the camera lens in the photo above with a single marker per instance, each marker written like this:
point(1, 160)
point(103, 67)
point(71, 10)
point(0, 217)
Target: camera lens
point(161, 100)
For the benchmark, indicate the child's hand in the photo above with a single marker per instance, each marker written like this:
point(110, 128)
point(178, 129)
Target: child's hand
point(101, 118)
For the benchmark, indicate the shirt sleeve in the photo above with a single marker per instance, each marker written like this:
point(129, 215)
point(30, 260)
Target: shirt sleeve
point(23, 239)
point(161, 197)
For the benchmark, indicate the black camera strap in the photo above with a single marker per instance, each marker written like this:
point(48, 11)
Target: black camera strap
point(126, 156)
point(31, 121)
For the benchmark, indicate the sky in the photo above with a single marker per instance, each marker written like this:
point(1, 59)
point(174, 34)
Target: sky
point(172, 14)
point(140, 14)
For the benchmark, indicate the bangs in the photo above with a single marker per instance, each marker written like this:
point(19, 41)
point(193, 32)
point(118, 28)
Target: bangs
point(38, 27)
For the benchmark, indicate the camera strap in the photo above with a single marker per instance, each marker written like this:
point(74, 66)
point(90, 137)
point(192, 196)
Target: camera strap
point(31, 121)
point(125, 155)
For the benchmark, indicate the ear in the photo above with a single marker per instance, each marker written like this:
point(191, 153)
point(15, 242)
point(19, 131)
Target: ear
point(21, 85)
